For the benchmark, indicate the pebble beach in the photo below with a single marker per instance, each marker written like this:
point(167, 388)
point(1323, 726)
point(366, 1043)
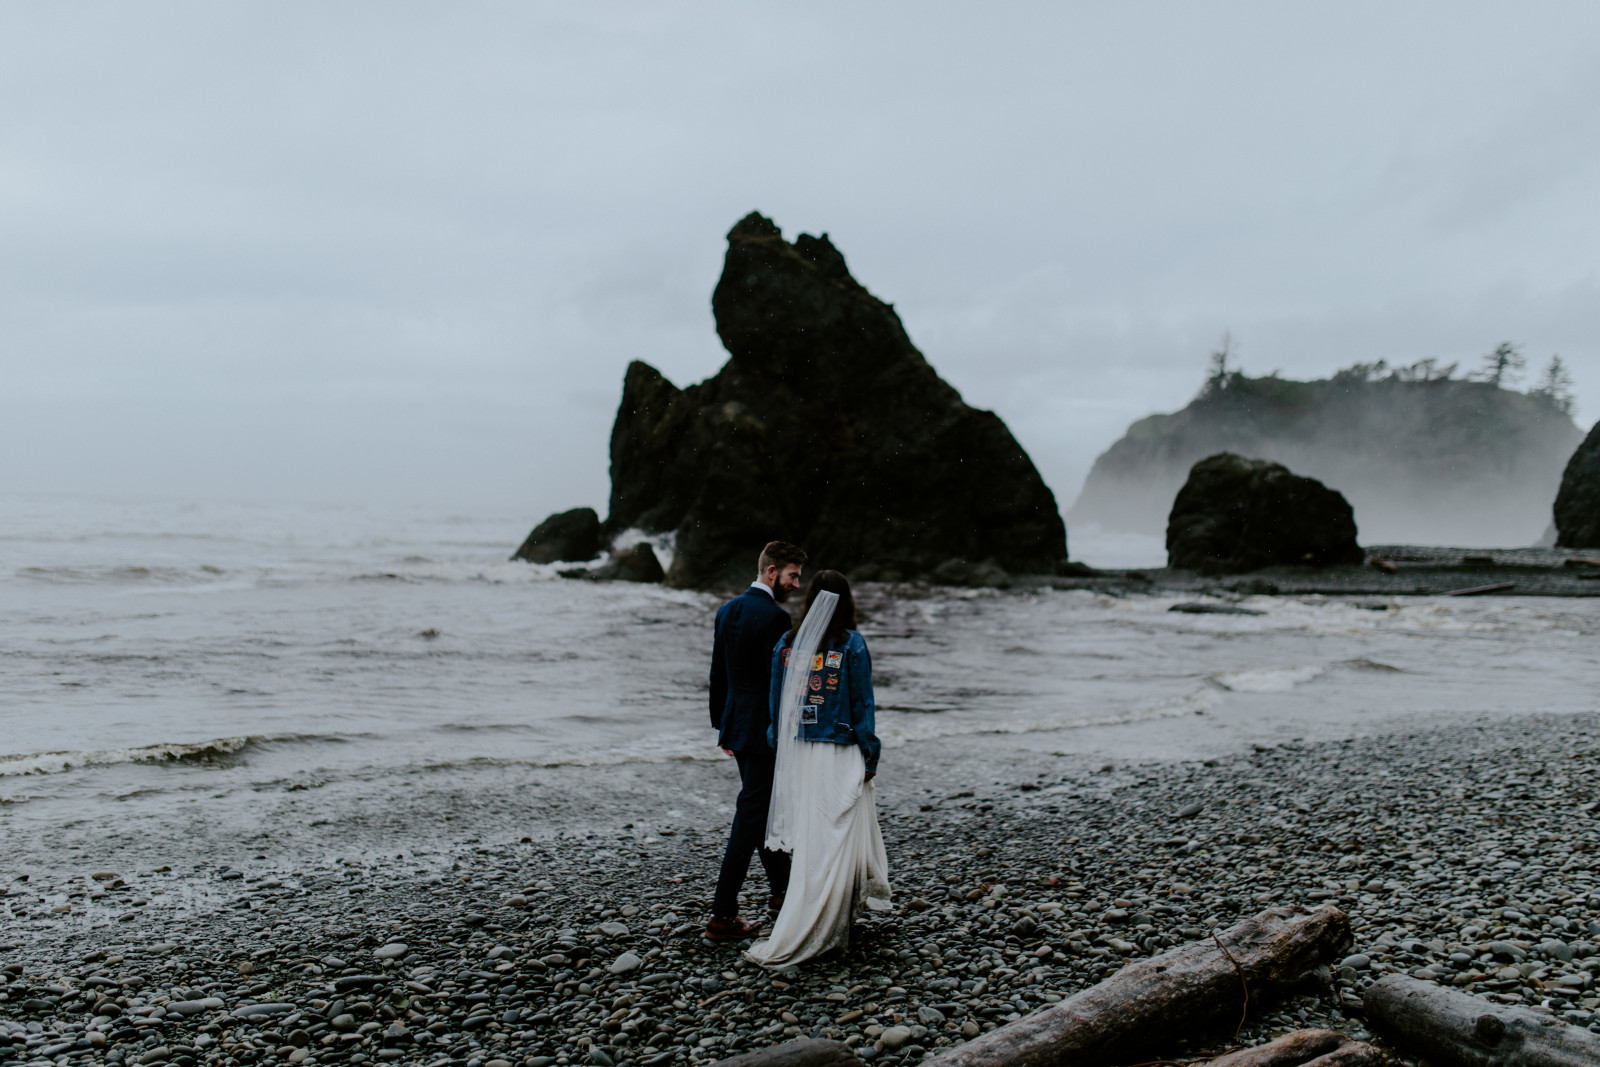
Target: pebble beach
point(1465, 855)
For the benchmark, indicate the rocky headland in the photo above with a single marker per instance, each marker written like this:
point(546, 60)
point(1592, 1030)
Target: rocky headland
point(1466, 857)
point(1422, 458)
point(827, 428)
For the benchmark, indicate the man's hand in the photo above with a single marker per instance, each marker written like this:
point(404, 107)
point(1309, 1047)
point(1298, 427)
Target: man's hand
point(870, 776)
point(727, 752)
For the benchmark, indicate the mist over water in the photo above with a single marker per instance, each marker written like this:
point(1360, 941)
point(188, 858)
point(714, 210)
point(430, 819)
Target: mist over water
point(162, 660)
point(1492, 511)
point(1097, 546)
point(1424, 459)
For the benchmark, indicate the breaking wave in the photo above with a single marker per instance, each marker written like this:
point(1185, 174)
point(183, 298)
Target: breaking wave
point(895, 730)
point(121, 574)
point(427, 570)
point(1266, 679)
point(216, 750)
point(655, 748)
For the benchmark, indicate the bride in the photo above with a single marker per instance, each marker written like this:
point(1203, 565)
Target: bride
point(822, 809)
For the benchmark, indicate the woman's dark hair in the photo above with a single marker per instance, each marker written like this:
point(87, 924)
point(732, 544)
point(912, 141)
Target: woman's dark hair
point(844, 612)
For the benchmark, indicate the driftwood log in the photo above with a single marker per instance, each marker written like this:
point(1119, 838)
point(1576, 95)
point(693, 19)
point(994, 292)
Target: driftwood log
point(806, 1052)
point(1304, 1048)
point(1189, 989)
point(1461, 1030)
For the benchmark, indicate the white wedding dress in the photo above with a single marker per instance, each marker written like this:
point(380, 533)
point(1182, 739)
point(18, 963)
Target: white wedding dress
point(824, 812)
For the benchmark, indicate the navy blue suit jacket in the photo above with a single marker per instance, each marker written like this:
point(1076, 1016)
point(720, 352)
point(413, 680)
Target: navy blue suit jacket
point(748, 627)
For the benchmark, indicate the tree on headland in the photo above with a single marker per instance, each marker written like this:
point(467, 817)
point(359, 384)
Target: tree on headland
point(1500, 369)
point(1220, 372)
point(1506, 360)
point(1362, 372)
point(1425, 370)
point(1555, 388)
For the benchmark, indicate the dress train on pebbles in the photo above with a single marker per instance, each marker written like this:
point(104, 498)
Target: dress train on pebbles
point(840, 866)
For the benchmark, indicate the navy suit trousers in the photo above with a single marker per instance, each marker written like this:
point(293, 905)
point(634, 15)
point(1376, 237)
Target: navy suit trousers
point(749, 828)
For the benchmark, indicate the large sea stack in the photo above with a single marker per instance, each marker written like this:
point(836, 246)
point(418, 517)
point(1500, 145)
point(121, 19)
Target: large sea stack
point(1236, 514)
point(827, 428)
point(1577, 508)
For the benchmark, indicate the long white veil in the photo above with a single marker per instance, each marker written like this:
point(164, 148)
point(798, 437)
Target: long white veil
point(787, 789)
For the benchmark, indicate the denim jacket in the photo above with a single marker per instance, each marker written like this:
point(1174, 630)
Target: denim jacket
point(840, 688)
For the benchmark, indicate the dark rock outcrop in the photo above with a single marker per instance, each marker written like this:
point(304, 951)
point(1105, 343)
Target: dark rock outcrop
point(565, 537)
point(827, 428)
point(1236, 514)
point(635, 564)
point(1207, 607)
point(1577, 508)
point(960, 572)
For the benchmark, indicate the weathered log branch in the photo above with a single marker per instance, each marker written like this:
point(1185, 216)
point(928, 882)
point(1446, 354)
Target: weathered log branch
point(1355, 1054)
point(806, 1052)
point(1461, 1030)
point(1286, 1051)
point(1303, 1048)
point(1190, 989)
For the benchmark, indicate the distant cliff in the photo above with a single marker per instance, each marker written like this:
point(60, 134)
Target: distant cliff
point(1422, 459)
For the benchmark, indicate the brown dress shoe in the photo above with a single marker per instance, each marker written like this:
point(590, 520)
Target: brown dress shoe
point(734, 929)
point(775, 903)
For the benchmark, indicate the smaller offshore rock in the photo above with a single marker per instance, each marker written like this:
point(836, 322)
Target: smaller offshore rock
point(960, 572)
point(1577, 508)
point(1236, 514)
point(565, 537)
point(1206, 607)
point(635, 564)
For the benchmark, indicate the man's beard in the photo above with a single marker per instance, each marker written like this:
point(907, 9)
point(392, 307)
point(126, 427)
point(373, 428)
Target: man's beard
point(780, 592)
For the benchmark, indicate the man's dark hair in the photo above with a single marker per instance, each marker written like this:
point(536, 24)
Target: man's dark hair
point(844, 612)
point(779, 554)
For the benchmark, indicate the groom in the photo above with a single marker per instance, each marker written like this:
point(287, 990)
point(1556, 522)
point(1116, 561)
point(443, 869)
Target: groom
point(748, 627)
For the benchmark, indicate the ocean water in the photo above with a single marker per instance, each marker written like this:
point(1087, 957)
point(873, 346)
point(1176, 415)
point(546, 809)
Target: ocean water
point(155, 654)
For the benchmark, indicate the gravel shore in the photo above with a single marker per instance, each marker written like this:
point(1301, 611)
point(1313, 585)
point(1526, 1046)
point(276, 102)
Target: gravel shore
point(1465, 855)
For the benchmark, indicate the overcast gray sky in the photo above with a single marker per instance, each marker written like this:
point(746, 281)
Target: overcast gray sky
point(403, 252)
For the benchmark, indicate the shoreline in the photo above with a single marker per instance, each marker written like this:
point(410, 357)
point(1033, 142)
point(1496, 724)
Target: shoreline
point(970, 679)
point(1464, 854)
point(1389, 570)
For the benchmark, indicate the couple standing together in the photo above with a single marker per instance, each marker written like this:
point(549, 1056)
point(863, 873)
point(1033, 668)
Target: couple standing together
point(792, 703)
